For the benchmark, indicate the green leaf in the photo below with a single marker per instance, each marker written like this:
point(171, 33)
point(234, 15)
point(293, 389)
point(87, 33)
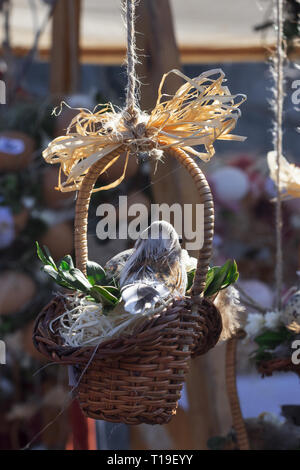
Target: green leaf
point(69, 280)
point(49, 257)
point(260, 354)
point(232, 274)
point(45, 256)
point(220, 277)
point(56, 276)
point(40, 254)
point(51, 272)
point(113, 290)
point(101, 293)
point(95, 272)
point(270, 339)
point(80, 282)
point(64, 283)
point(190, 279)
point(66, 263)
point(210, 276)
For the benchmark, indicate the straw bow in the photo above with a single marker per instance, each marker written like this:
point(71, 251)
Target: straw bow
point(200, 112)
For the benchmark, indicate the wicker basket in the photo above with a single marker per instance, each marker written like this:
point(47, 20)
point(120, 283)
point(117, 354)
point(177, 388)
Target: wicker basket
point(138, 379)
point(265, 368)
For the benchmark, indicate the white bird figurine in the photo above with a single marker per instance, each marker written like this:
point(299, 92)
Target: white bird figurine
point(154, 270)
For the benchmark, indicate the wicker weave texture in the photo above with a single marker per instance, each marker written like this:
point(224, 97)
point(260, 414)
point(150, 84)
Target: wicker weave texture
point(135, 379)
point(138, 379)
point(237, 417)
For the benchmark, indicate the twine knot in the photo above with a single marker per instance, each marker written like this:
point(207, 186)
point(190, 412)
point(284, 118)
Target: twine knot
point(141, 141)
point(131, 117)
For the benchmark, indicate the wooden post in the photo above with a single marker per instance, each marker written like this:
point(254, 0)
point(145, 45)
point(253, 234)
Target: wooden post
point(209, 412)
point(64, 75)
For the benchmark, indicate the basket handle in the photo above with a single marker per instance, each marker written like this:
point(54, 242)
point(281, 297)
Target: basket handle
point(206, 199)
point(82, 208)
point(83, 201)
point(233, 397)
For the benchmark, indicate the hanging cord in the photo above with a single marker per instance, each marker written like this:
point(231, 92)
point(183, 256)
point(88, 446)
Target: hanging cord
point(131, 100)
point(278, 106)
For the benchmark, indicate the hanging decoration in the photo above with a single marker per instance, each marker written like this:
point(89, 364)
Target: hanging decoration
point(274, 330)
point(135, 375)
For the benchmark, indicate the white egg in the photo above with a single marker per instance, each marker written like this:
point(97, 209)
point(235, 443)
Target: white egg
point(230, 183)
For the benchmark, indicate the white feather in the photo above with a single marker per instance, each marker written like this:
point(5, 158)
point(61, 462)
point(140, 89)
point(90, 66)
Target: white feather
point(143, 296)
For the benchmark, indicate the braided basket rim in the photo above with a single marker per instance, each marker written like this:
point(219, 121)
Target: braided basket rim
point(175, 315)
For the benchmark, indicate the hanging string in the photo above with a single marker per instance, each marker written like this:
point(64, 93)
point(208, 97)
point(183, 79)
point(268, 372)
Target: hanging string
point(279, 97)
point(131, 99)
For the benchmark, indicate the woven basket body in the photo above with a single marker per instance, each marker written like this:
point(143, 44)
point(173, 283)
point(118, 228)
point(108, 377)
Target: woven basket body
point(138, 379)
point(135, 379)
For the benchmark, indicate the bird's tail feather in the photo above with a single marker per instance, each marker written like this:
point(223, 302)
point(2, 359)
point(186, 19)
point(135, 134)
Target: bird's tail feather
point(231, 310)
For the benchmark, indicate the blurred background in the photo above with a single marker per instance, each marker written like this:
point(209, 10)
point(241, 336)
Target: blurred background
point(74, 50)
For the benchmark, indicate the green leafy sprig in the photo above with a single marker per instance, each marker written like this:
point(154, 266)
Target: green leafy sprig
point(270, 340)
point(217, 278)
point(94, 286)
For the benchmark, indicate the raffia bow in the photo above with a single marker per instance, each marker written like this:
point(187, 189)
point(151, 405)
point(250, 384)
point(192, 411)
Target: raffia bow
point(200, 112)
point(289, 177)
